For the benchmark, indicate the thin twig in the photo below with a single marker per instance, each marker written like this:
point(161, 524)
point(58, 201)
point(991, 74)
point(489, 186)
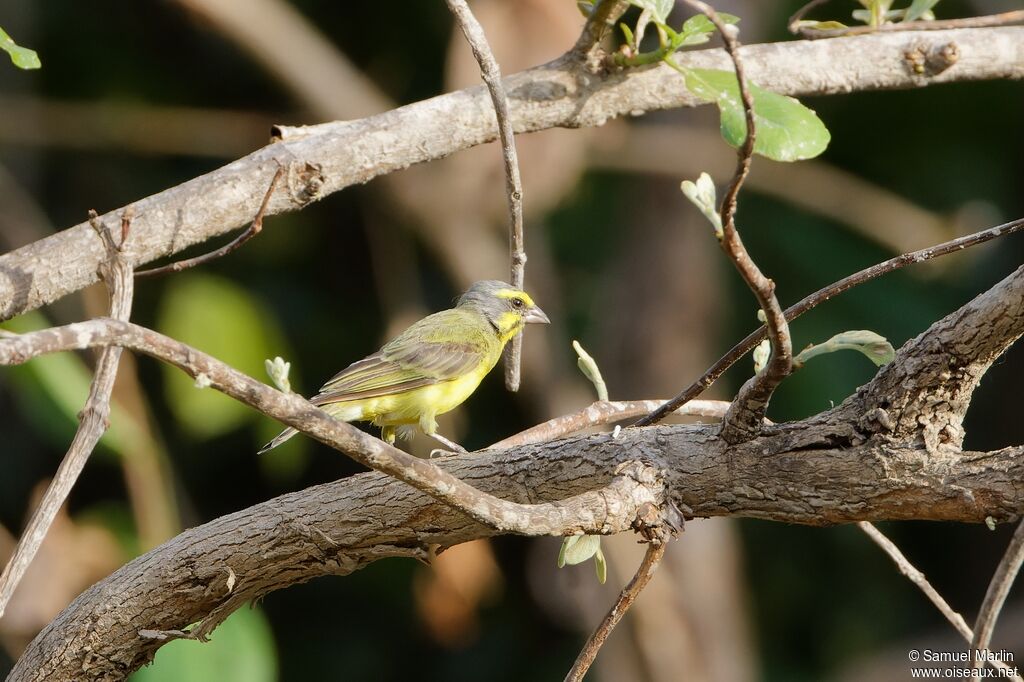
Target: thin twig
point(655, 551)
point(254, 229)
point(1002, 19)
point(563, 517)
point(601, 20)
point(867, 274)
point(603, 412)
point(996, 594)
point(746, 416)
point(917, 577)
point(93, 419)
point(513, 184)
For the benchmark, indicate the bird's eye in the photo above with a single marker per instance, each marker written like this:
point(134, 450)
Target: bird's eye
point(517, 303)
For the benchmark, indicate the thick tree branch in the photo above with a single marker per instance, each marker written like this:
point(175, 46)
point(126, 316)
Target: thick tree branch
point(340, 527)
point(926, 400)
point(832, 468)
point(326, 158)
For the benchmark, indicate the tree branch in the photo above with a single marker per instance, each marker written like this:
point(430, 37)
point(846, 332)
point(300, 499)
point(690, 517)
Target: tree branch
point(652, 557)
point(513, 184)
point(823, 470)
point(926, 401)
point(94, 417)
point(808, 302)
point(603, 412)
point(746, 416)
point(915, 576)
point(254, 229)
point(326, 158)
point(995, 596)
point(587, 513)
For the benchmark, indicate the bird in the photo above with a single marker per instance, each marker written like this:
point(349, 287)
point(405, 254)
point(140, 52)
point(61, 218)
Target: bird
point(431, 367)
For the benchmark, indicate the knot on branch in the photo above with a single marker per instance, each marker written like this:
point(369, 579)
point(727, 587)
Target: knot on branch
point(305, 182)
point(924, 59)
point(657, 525)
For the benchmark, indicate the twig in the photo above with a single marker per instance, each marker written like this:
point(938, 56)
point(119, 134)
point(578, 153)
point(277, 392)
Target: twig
point(93, 419)
point(655, 551)
point(867, 274)
point(812, 33)
point(601, 20)
point(558, 518)
point(996, 594)
point(254, 229)
point(915, 576)
point(513, 184)
point(603, 412)
point(746, 416)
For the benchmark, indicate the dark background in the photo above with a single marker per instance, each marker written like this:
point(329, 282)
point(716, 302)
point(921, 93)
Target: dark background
point(618, 257)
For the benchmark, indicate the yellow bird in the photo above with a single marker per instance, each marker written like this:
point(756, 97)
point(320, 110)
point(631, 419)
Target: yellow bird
point(431, 367)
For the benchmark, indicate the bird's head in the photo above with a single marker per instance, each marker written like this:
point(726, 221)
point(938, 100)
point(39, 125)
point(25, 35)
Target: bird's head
point(504, 306)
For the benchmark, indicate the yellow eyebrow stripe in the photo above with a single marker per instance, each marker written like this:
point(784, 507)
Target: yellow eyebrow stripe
point(513, 293)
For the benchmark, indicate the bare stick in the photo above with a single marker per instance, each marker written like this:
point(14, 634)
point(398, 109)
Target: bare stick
point(746, 416)
point(513, 184)
point(93, 419)
point(812, 33)
point(867, 274)
point(559, 518)
point(915, 576)
point(995, 596)
point(655, 551)
point(603, 412)
point(254, 229)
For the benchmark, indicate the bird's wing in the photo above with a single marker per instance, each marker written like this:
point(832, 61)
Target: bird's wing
point(421, 356)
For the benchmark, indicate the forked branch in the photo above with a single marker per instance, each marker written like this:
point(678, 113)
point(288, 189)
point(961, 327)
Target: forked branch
point(93, 419)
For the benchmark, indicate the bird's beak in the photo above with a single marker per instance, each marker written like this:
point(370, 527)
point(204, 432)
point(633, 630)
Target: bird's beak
point(536, 315)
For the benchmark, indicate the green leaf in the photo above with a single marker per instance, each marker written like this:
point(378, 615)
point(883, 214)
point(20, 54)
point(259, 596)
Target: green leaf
point(873, 346)
point(22, 57)
point(659, 9)
point(224, 320)
point(600, 565)
point(699, 23)
point(821, 25)
point(918, 9)
point(590, 370)
point(630, 40)
point(786, 129)
point(578, 548)
point(240, 650)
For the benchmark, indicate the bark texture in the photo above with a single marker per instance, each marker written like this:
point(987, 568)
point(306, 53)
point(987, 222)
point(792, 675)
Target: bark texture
point(326, 158)
point(871, 458)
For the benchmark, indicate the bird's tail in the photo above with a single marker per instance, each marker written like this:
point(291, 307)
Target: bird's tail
point(280, 438)
point(345, 411)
